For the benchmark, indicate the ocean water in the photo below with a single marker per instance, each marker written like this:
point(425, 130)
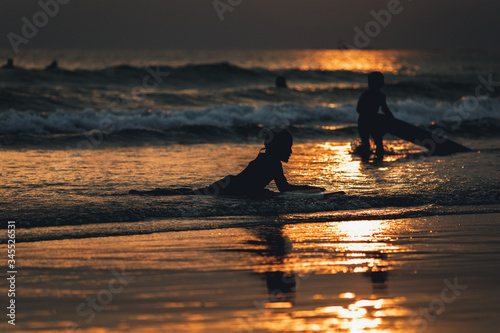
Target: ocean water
point(75, 140)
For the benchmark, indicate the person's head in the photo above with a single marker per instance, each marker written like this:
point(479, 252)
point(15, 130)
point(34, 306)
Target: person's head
point(281, 82)
point(375, 80)
point(10, 62)
point(278, 142)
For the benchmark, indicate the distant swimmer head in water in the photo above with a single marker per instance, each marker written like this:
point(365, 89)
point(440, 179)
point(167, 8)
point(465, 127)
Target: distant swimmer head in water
point(52, 66)
point(278, 142)
point(281, 82)
point(375, 80)
point(9, 64)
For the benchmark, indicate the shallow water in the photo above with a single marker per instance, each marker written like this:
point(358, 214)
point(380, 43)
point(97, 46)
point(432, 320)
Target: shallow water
point(72, 141)
point(67, 187)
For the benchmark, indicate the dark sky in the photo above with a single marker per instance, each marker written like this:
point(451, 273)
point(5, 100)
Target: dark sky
point(271, 24)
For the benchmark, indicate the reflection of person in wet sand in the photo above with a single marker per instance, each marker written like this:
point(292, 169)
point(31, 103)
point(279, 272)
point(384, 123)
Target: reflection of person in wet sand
point(281, 285)
point(378, 273)
point(370, 122)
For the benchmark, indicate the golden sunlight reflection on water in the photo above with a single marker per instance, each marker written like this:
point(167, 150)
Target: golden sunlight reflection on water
point(330, 248)
point(331, 164)
point(353, 60)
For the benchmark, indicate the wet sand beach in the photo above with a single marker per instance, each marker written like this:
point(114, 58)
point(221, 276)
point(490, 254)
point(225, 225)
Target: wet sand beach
point(425, 274)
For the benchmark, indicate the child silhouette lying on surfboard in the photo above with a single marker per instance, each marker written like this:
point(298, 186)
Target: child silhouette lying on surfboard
point(261, 171)
point(256, 176)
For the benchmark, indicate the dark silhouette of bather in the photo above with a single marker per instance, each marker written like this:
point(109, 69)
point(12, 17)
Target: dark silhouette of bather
point(52, 66)
point(281, 82)
point(261, 171)
point(370, 122)
point(252, 181)
point(9, 64)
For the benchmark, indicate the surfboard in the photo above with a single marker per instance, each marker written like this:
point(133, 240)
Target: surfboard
point(436, 143)
point(308, 191)
point(313, 193)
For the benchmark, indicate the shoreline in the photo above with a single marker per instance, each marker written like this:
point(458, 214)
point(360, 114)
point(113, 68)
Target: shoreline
point(175, 224)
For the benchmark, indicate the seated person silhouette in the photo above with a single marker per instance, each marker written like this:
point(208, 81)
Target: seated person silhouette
point(255, 177)
point(370, 122)
point(52, 66)
point(9, 64)
point(281, 82)
point(261, 171)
